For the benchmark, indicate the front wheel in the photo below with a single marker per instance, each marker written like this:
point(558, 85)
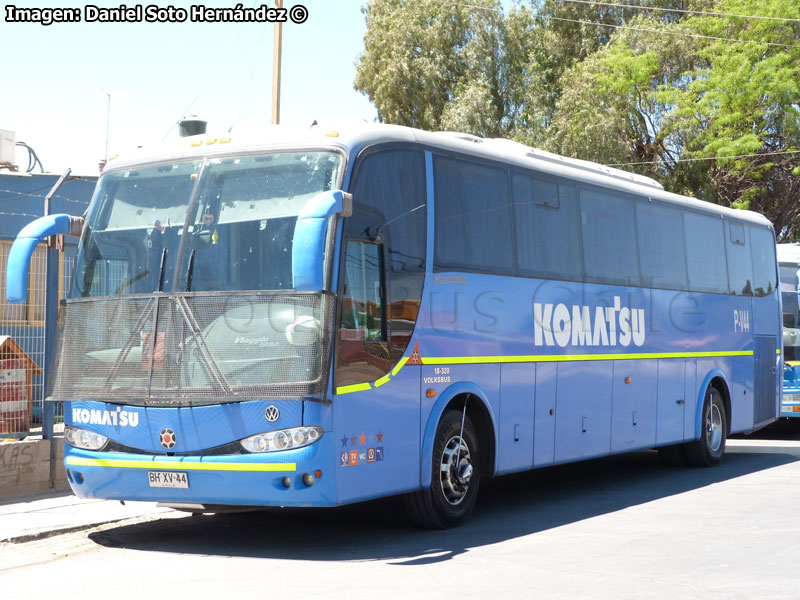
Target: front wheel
point(455, 475)
point(708, 450)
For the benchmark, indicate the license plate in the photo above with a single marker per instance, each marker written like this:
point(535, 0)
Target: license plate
point(168, 479)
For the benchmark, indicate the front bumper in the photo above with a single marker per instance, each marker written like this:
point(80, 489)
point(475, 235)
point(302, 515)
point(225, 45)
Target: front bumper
point(790, 403)
point(241, 480)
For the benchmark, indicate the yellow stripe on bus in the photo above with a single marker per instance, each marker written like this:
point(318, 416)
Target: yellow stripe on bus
point(363, 387)
point(483, 360)
point(77, 461)
point(399, 365)
point(349, 389)
point(383, 380)
point(476, 360)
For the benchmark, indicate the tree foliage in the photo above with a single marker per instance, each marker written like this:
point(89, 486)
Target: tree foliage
point(743, 101)
point(425, 57)
point(704, 100)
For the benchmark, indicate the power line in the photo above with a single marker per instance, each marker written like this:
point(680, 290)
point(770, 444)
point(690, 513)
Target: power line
point(15, 195)
point(14, 214)
point(664, 31)
point(658, 162)
point(683, 11)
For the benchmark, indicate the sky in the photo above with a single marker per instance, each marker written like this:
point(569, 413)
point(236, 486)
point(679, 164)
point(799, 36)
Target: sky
point(55, 81)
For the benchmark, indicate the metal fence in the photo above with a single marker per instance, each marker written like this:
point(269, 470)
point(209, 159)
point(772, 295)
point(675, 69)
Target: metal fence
point(22, 347)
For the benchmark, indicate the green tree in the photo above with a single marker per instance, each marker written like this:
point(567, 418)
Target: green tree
point(446, 66)
point(613, 111)
point(743, 101)
point(417, 55)
point(567, 33)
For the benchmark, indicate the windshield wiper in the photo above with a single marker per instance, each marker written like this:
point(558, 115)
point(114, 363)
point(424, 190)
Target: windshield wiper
point(205, 354)
point(161, 270)
point(190, 271)
point(132, 338)
point(154, 333)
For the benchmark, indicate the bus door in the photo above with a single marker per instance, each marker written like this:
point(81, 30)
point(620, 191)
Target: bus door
point(377, 395)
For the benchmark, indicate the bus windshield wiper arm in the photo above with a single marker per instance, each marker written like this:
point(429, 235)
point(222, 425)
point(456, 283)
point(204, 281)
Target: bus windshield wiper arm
point(190, 271)
point(161, 270)
point(205, 354)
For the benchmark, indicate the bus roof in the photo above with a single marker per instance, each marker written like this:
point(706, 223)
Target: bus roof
point(352, 137)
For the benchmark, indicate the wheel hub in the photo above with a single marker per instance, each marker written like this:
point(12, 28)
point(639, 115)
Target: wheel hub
point(714, 428)
point(456, 470)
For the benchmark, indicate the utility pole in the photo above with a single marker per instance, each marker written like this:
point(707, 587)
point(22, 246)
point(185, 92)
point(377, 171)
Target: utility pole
point(108, 123)
point(276, 69)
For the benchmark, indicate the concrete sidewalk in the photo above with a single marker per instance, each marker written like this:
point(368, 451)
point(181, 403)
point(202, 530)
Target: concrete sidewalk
point(36, 517)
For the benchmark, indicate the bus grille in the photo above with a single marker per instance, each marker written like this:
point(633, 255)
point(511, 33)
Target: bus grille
point(193, 348)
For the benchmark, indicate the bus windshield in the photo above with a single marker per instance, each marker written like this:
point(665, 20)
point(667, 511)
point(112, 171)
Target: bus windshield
point(214, 236)
point(791, 318)
point(230, 219)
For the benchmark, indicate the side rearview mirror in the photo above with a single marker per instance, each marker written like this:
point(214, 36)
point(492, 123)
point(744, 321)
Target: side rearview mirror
point(19, 258)
point(310, 233)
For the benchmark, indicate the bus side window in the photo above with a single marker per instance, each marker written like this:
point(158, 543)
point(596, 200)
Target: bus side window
point(610, 252)
point(546, 226)
point(762, 247)
point(364, 297)
point(705, 253)
point(662, 251)
point(473, 217)
point(740, 266)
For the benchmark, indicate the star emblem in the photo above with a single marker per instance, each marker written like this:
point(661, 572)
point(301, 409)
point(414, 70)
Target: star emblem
point(344, 441)
point(353, 440)
point(362, 438)
point(380, 437)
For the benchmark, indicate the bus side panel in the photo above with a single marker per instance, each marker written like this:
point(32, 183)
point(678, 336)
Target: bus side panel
point(690, 408)
point(583, 413)
point(633, 422)
point(544, 437)
point(515, 429)
point(742, 394)
point(765, 321)
point(671, 400)
point(378, 439)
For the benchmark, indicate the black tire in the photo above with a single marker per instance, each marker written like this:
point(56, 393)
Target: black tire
point(450, 498)
point(673, 456)
point(709, 449)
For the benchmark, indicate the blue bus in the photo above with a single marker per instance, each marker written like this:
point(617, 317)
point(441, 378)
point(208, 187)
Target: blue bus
point(324, 316)
point(789, 267)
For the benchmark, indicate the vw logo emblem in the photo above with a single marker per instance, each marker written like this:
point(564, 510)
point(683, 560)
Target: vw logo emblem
point(272, 413)
point(167, 438)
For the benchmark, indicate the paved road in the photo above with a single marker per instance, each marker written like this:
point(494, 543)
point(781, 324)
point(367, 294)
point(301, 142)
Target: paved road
point(622, 527)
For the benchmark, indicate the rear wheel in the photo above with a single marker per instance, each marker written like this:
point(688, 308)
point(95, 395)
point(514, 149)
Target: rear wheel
point(455, 476)
point(709, 449)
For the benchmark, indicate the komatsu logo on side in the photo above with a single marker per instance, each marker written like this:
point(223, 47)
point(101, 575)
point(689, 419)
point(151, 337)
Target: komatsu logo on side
point(123, 418)
point(611, 325)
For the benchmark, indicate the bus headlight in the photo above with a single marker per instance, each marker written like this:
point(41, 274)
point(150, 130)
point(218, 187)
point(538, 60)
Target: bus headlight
point(82, 438)
point(282, 439)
